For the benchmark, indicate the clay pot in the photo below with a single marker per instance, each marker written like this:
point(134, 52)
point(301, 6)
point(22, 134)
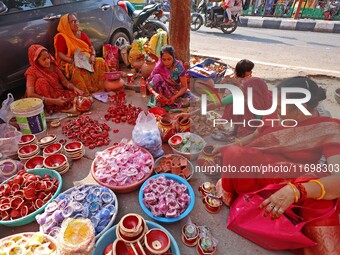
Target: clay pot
point(190, 234)
point(114, 85)
point(166, 129)
point(183, 125)
point(83, 103)
point(206, 158)
point(157, 241)
point(148, 66)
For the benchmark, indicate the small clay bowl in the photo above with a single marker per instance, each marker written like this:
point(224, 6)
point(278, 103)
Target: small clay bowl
point(73, 146)
point(206, 188)
point(28, 150)
point(131, 225)
point(119, 247)
point(27, 139)
point(175, 141)
point(35, 162)
point(157, 241)
point(55, 123)
point(52, 149)
point(200, 250)
point(55, 161)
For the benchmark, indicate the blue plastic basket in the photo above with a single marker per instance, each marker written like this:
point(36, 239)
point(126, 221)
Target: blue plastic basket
point(110, 236)
point(193, 71)
point(164, 219)
point(31, 217)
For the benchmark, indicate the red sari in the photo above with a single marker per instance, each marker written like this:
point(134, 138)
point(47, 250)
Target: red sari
point(47, 82)
point(304, 144)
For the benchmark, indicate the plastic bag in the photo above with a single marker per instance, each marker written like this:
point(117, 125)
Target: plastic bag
point(8, 168)
point(146, 134)
point(5, 111)
point(9, 139)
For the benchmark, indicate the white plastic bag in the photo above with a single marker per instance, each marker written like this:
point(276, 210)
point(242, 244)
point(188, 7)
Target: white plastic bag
point(9, 139)
point(146, 134)
point(5, 111)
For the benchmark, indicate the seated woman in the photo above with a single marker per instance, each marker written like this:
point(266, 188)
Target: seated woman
point(66, 43)
point(167, 82)
point(46, 81)
point(300, 146)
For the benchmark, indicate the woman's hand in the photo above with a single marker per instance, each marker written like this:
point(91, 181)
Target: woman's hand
point(78, 91)
point(60, 101)
point(161, 99)
point(278, 202)
point(217, 149)
point(92, 59)
point(172, 100)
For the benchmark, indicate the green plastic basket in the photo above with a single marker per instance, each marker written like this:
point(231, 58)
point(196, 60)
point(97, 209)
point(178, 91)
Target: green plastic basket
point(31, 217)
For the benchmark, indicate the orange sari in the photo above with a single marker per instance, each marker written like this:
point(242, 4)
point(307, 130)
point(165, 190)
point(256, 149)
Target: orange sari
point(81, 78)
point(278, 146)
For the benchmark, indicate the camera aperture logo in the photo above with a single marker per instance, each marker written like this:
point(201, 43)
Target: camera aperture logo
point(239, 103)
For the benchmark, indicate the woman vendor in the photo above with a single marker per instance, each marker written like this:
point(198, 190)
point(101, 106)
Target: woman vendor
point(167, 82)
point(69, 40)
point(301, 146)
point(46, 81)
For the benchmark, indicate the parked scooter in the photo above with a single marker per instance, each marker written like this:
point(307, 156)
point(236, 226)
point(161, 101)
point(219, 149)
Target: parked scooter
point(332, 10)
point(143, 25)
point(204, 17)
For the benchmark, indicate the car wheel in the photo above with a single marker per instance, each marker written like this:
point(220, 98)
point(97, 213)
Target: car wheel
point(119, 39)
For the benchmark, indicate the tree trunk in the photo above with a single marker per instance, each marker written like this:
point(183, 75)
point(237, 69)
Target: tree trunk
point(180, 28)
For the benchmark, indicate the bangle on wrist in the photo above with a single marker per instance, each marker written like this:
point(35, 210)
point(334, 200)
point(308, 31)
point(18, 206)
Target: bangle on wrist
point(296, 192)
point(302, 190)
point(323, 192)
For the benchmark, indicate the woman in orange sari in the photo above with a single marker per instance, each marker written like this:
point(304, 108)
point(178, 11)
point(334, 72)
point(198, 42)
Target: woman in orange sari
point(46, 81)
point(66, 43)
point(301, 148)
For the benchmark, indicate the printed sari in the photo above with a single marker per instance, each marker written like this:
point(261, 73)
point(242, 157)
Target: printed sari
point(277, 146)
point(262, 100)
point(166, 82)
point(47, 82)
point(65, 41)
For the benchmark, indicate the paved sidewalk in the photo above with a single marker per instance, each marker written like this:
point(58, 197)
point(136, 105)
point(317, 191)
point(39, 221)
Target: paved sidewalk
point(326, 26)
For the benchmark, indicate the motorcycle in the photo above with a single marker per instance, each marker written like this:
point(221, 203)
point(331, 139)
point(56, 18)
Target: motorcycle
point(143, 25)
point(203, 16)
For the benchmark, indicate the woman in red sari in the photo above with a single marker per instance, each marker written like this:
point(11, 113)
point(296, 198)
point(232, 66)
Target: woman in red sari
point(46, 81)
point(301, 147)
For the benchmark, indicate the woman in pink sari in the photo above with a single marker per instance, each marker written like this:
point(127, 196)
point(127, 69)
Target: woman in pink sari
point(167, 82)
point(46, 81)
point(301, 148)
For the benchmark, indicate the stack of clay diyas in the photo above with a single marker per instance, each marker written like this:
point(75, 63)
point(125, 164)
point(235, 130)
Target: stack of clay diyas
point(57, 162)
point(28, 151)
point(27, 139)
point(74, 150)
point(46, 141)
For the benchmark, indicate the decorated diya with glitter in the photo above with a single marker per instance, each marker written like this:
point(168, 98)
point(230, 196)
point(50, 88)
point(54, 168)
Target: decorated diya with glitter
point(206, 246)
point(190, 234)
point(212, 203)
point(207, 188)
